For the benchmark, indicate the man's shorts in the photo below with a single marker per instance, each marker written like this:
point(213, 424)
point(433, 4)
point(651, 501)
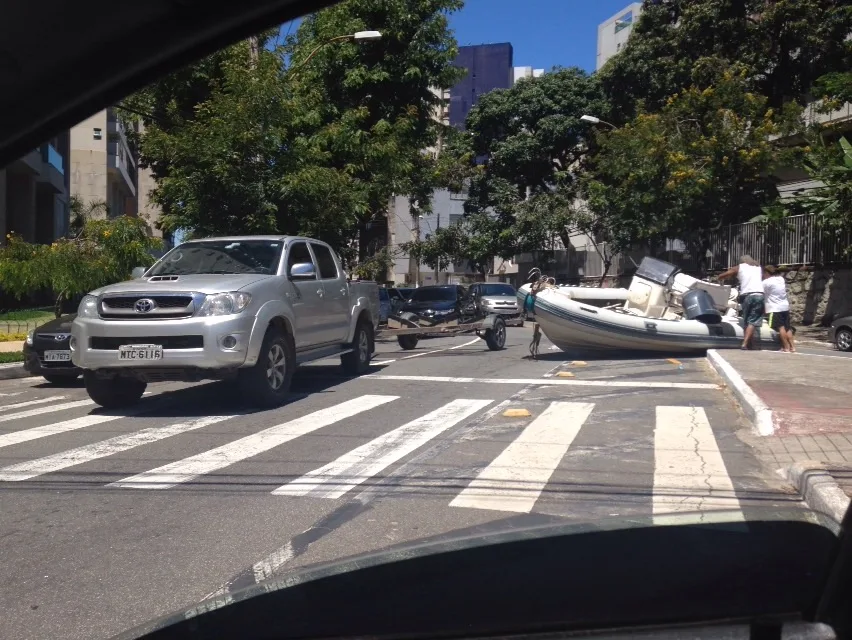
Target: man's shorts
point(778, 319)
point(752, 310)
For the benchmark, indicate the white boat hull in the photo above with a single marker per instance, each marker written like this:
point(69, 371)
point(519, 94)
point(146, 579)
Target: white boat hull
point(571, 324)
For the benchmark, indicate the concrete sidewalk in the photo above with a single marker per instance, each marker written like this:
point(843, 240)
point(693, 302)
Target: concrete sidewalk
point(801, 408)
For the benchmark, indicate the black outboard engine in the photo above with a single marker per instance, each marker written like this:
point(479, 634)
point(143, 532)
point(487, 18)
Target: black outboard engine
point(698, 305)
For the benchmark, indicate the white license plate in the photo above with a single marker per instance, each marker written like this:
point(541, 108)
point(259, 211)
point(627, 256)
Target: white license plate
point(140, 352)
point(57, 356)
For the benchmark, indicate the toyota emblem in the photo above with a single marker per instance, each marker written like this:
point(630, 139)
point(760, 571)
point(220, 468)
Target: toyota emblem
point(144, 305)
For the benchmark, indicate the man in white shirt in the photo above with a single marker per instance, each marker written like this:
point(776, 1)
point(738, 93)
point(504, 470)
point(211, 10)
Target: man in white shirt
point(750, 277)
point(778, 307)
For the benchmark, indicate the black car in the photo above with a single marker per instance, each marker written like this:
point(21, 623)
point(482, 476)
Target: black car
point(439, 304)
point(47, 352)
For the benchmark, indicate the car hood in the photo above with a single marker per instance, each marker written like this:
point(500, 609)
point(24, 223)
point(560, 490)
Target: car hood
point(434, 305)
point(203, 283)
point(603, 566)
point(62, 324)
point(503, 299)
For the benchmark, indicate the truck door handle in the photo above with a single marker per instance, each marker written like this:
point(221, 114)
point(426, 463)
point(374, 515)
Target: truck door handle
point(319, 292)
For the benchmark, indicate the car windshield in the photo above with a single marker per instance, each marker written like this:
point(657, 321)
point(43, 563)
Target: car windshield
point(354, 334)
point(220, 256)
point(497, 290)
point(433, 294)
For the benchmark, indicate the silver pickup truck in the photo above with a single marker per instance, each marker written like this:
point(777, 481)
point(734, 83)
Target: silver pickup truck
point(249, 308)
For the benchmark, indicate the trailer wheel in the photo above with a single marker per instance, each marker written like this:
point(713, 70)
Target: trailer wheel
point(408, 342)
point(495, 337)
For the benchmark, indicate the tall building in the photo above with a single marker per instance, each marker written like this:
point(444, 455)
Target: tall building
point(613, 33)
point(34, 192)
point(526, 72)
point(104, 168)
point(489, 67)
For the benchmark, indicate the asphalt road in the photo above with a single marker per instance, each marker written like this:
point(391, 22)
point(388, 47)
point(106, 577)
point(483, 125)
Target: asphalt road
point(110, 520)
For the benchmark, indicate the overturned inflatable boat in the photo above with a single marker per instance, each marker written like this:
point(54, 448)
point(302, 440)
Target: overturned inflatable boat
point(663, 310)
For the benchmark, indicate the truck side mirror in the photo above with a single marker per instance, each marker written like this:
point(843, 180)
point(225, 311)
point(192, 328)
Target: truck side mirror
point(303, 271)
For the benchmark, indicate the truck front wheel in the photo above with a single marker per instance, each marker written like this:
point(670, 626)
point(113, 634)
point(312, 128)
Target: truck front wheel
point(113, 393)
point(267, 383)
point(357, 361)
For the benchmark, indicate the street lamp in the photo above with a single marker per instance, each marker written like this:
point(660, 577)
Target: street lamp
point(358, 36)
point(596, 120)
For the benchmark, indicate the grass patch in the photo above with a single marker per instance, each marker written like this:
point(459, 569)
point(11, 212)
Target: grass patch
point(11, 356)
point(27, 315)
point(12, 337)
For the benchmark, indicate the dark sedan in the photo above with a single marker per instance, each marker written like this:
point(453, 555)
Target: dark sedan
point(439, 304)
point(47, 353)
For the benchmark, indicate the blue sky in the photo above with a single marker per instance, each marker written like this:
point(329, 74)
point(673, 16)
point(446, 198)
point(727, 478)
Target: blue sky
point(543, 33)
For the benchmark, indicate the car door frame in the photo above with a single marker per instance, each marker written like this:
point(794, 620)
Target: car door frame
point(334, 323)
point(306, 298)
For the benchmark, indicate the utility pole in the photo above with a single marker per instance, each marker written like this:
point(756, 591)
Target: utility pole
point(417, 240)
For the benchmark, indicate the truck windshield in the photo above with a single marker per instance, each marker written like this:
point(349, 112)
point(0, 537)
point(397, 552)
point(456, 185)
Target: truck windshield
point(497, 289)
point(433, 294)
point(220, 256)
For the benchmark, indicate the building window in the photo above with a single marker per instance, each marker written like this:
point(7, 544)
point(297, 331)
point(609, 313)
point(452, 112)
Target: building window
point(624, 21)
point(97, 133)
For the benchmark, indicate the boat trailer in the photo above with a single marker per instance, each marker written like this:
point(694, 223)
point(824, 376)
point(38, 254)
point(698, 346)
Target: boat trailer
point(409, 328)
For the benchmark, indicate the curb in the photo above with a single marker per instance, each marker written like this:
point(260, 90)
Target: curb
point(13, 370)
point(818, 489)
point(754, 408)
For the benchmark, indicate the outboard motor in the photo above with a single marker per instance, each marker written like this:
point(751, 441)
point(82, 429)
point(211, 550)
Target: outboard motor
point(698, 305)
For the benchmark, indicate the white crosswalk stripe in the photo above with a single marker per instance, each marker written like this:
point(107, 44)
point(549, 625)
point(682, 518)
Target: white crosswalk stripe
point(516, 478)
point(689, 471)
point(361, 464)
point(87, 453)
point(185, 470)
point(42, 410)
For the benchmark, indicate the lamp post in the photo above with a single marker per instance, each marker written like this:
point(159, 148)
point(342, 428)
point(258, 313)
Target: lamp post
point(358, 36)
point(596, 120)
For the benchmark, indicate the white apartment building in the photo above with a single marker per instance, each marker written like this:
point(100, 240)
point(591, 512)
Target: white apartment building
point(613, 33)
point(104, 168)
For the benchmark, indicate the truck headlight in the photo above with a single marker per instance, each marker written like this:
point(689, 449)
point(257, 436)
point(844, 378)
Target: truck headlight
point(88, 307)
point(224, 304)
point(30, 337)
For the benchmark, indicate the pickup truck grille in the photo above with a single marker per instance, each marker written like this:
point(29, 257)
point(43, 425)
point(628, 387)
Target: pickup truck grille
point(147, 307)
point(167, 342)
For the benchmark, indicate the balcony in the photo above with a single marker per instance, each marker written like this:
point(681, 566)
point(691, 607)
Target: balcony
point(120, 163)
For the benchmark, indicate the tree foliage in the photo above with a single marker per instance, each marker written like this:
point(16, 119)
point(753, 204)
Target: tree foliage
point(785, 45)
point(310, 137)
point(704, 160)
point(518, 159)
point(101, 252)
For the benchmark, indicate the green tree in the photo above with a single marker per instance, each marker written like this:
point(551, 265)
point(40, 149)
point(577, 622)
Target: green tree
point(704, 160)
point(101, 252)
point(518, 160)
point(368, 109)
point(831, 165)
point(785, 45)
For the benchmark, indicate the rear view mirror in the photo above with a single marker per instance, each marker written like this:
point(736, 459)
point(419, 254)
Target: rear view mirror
point(138, 272)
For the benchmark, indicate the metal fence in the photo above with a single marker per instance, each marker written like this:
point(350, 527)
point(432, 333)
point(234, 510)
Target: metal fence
point(797, 240)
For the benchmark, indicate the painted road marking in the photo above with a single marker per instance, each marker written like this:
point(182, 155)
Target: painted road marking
point(689, 472)
point(172, 474)
point(16, 437)
point(550, 381)
point(426, 353)
point(29, 403)
point(359, 465)
point(41, 410)
point(515, 479)
point(89, 452)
